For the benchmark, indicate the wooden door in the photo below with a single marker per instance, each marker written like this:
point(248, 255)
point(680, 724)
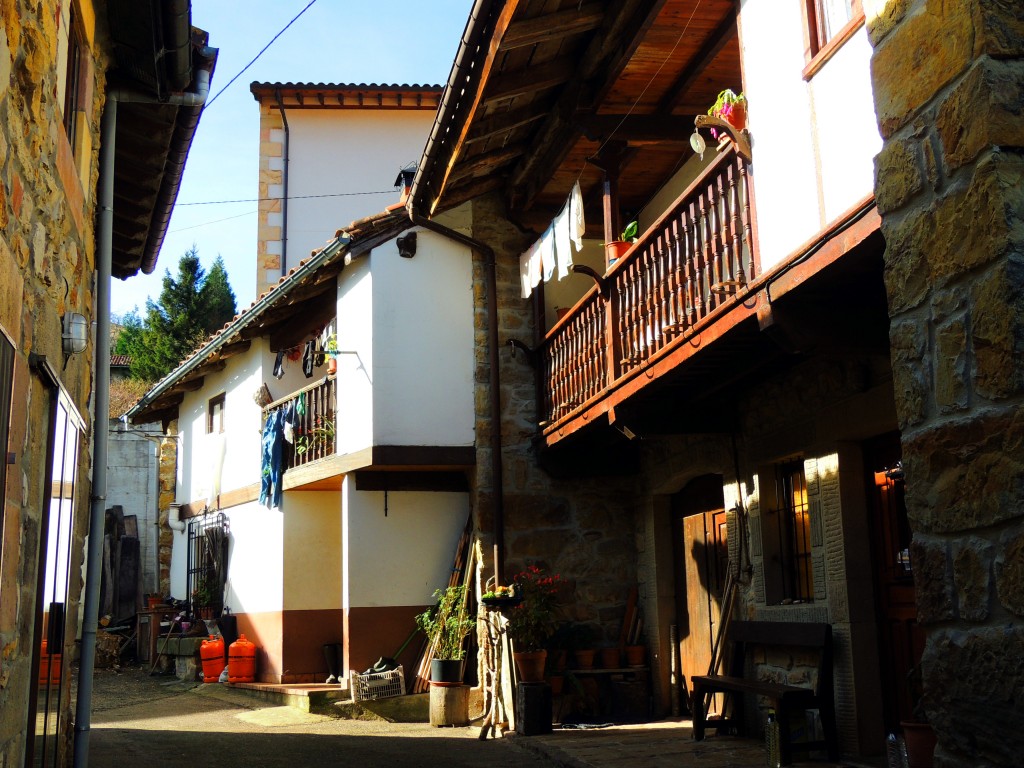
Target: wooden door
point(901, 640)
point(701, 562)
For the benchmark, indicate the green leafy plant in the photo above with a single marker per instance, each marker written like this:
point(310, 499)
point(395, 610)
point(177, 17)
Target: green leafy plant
point(319, 437)
point(725, 105)
point(630, 232)
point(447, 623)
point(331, 345)
point(532, 622)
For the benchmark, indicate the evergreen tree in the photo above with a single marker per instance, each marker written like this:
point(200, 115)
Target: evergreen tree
point(190, 308)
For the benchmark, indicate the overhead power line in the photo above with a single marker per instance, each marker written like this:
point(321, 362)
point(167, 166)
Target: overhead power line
point(290, 197)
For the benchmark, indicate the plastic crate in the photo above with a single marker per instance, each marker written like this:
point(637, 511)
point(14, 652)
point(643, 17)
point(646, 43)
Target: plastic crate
point(378, 685)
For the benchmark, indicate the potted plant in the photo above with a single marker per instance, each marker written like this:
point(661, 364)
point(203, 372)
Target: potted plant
point(732, 108)
point(331, 350)
point(446, 625)
point(918, 734)
point(320, 437)
point(205, 597)
point(532, 622)
point(616, 249)
point(501, 597)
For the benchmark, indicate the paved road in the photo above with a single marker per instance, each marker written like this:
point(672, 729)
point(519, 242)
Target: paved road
point(146, 722)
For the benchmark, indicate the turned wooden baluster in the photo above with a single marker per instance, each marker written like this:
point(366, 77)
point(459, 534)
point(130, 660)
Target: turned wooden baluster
point(728, 271)
point(715, 276)
point(744, 185)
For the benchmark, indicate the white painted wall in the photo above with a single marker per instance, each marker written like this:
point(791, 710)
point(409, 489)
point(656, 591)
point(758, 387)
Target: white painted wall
point(423, 353)
point(340, 152)
point(255, 559)
point(355, 360)
point(402, 558)
point(312, 550)
point(798, 126)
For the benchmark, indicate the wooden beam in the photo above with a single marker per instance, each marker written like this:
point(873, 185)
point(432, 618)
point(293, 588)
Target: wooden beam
point(656, 128)
point(234, 348)
point(528, 80)
point(553, 26)
point(600, 65)
point(718, 39)
point(482, 74)
point(502, 123)
point(460, 193)
point(486, 163)
point(315, 314)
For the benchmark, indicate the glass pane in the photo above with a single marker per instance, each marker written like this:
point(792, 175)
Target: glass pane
point(833, 15)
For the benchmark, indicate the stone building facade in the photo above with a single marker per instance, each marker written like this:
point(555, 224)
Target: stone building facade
point(47, 256)
point(949, 188)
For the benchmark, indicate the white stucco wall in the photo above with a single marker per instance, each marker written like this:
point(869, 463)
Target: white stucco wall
point(335, 153)
point(405, 337)
point(312, 550)
point(799, 126)
point(255, 559)
point(401, 558)
point(355, 360)
point(240, 442)
point(423, 343)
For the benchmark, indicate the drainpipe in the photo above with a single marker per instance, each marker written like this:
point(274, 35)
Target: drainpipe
point(284, 184)
point(494, 380)
point(101, 390)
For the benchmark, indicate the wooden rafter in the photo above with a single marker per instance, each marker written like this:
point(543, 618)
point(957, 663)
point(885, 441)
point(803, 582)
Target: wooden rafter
point(638, 127)
point(605, 58)
point(529, 80)
point(553, 26)
point(716, 41)
point(502, 123)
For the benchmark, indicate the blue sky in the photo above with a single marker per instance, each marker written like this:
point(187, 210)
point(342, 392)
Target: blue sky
point(335, 41)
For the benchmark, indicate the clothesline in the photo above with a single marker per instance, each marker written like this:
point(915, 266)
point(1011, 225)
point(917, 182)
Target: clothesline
point(553, 250)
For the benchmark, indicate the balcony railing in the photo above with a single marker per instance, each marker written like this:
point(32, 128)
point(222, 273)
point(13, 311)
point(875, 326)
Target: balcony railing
point(686, 265)
point(314, 432)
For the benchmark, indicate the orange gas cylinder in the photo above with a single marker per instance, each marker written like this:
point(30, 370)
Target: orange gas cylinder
point(241, 661)
point(49, 667)
point(212, 654)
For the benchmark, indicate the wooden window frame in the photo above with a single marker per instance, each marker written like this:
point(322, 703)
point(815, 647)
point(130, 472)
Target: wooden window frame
point(786, 535)
point(215, 417)
point(816, 52)
point(73, 91)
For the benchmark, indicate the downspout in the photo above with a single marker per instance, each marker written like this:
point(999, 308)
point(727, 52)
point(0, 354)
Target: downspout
point(94, 556)
point(284, 184)
point(494, 380)
point(101, 422)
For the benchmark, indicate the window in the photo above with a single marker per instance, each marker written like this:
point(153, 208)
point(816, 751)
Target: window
point(6, 389)
point(215, 415)
point(794, 574)
point(71, 61)
point(829, 24)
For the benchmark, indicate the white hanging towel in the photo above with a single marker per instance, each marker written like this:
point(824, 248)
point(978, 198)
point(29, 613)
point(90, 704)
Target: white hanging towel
point(529, 270)
point(547, 252)
point(577, 226)
point(563, 236)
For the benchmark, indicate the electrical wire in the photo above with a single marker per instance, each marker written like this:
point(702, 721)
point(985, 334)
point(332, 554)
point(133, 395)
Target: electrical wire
point(262, 51)
point(208, 223)
point(290, 197)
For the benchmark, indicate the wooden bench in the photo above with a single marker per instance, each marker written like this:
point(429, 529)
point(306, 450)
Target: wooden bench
point(784, 698)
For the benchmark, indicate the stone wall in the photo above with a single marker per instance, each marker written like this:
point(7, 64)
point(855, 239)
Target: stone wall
point(584, 529)
point(949, 90)
point(46, 269)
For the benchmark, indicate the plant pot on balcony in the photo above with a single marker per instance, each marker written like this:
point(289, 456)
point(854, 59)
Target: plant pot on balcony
point(615, 250)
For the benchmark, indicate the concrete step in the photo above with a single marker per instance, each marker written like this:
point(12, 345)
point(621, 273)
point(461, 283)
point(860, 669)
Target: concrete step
point(317, 698)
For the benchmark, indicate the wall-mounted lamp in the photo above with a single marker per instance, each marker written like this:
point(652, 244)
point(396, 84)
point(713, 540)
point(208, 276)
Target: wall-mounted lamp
point(75, 335)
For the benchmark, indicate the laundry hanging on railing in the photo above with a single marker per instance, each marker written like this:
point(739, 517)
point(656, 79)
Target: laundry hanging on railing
point(553, 250)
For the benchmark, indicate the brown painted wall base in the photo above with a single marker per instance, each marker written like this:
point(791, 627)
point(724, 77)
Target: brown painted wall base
point(374, 632)
point(289, 643)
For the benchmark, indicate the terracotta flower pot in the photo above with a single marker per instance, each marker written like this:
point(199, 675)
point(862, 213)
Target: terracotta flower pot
point(635, 655)
point(584, 658)
point(611, 658)
point(615, 250)
point(530, 665)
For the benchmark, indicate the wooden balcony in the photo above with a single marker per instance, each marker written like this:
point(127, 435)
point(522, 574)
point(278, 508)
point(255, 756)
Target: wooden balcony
point(314, 407)
point(676, 279)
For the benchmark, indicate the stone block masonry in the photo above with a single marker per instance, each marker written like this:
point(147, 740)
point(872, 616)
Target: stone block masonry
point(950, 187)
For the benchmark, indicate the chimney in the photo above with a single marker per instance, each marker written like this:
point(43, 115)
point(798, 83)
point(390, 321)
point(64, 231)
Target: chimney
point(404, 180)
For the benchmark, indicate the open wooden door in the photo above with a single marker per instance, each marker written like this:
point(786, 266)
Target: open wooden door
point(901, 640)
point(701, 565)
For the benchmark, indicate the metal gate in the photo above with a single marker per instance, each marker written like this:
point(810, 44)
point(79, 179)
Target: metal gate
point(207, 563)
